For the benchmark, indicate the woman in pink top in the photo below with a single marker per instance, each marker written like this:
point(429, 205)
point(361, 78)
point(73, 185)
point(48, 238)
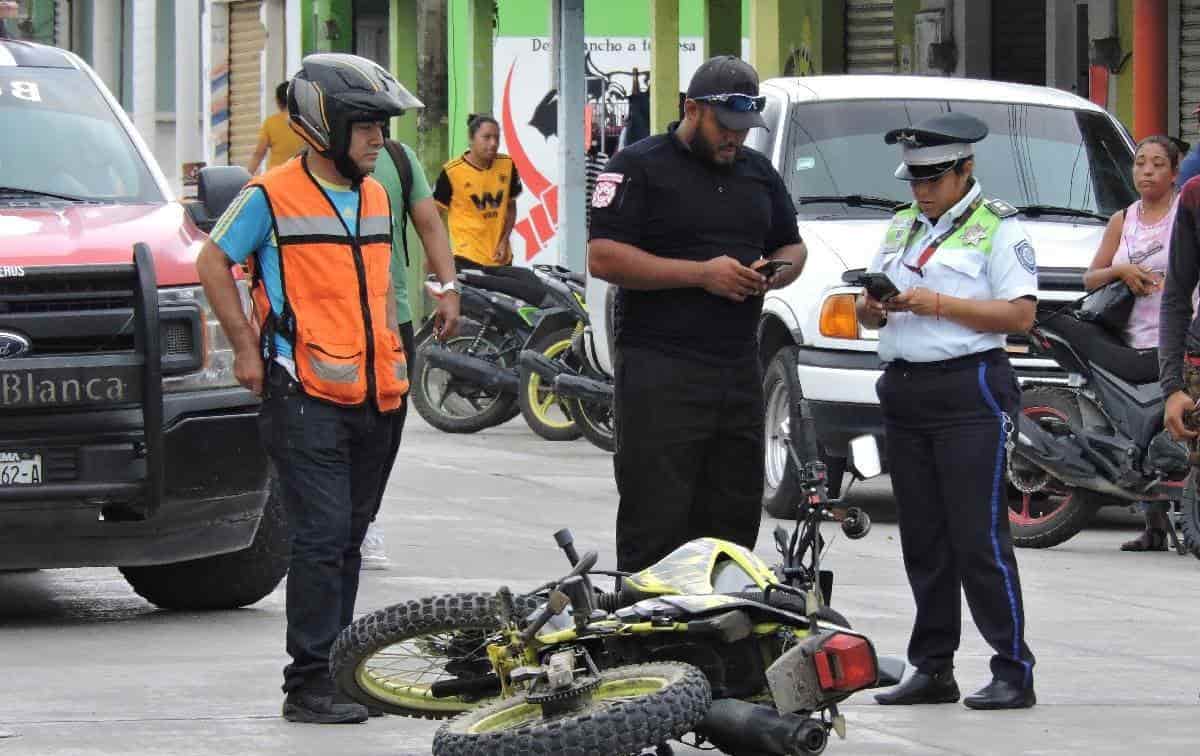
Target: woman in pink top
point(1134, 249)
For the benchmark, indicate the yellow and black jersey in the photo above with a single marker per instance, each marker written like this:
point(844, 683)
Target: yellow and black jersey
point(476, 201)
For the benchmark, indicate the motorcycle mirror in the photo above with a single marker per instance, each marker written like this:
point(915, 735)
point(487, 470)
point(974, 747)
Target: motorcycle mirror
point(864, 453)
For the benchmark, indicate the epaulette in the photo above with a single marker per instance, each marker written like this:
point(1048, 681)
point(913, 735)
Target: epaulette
point(1001, 208)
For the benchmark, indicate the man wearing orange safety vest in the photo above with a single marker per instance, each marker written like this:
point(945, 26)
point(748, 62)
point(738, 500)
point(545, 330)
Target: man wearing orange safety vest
point(323, 350)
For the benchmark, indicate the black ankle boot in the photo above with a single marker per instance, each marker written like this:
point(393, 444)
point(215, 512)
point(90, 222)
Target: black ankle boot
point(999, 694)
point(922, 688)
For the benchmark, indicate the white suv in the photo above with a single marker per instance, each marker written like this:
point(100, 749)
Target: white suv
point(1061, 159)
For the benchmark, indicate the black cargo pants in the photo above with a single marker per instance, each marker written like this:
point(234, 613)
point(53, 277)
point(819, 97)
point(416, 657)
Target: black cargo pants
point(330, 462)
point(946, 433)
point(689, 459)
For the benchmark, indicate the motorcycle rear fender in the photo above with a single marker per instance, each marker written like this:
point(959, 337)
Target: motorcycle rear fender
point(551, 320)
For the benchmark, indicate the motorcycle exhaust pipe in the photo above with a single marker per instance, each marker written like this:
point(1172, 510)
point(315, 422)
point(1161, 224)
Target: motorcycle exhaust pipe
point(738, 726)
point(585, 389)
point(1065, 461)
point(476, 686)
point(474, 370)
point(546, 368)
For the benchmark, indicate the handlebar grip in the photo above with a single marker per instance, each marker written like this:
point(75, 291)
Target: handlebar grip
point(805, 431)
point(566, 542)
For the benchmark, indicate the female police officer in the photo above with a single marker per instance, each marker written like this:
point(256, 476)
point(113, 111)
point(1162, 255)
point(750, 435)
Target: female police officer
point(967, 275)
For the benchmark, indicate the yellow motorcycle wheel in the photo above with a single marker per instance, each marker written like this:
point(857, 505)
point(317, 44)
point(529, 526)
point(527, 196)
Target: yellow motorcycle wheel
point(391, 657)
point(634, 707)
point(545, 412)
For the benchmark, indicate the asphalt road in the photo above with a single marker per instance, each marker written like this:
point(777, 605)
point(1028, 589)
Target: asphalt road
point(90, 668)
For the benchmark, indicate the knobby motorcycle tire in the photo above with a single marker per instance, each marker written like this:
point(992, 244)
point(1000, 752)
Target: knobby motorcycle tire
point(610, 727)
point(373, 632)
point(1189, 515)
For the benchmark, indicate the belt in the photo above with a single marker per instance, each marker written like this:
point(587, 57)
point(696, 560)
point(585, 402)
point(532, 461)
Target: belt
point(954, 363)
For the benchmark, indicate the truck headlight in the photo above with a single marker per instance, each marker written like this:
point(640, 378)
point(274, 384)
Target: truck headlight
point(216, 353)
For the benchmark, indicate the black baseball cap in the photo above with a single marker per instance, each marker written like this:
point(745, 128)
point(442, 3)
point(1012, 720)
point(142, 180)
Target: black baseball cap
point(727, 74)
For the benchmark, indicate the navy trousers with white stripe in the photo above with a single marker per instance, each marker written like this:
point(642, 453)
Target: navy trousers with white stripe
point(945, 448)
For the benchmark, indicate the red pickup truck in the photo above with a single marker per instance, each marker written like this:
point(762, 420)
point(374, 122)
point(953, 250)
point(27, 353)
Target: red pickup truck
point(124, 438)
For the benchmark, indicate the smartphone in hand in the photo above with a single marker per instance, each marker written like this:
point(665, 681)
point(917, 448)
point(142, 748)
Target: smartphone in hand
point(878, 285)
point(771, 267)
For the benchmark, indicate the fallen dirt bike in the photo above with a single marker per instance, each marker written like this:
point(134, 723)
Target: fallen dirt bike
point(710, 641)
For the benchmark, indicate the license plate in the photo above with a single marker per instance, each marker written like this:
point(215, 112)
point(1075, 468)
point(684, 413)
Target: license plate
point(20, 469)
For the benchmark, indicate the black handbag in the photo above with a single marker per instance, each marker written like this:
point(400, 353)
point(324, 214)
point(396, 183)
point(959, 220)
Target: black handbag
point(1109, 306)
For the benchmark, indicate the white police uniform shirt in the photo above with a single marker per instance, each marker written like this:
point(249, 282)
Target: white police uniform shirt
point(1008, 273)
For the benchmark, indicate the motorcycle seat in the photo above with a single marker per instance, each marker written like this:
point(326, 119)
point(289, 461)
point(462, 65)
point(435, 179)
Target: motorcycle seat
point(1096, 344)
point(515, 282)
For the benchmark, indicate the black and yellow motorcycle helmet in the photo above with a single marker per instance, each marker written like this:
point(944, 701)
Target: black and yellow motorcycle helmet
point(333, 91)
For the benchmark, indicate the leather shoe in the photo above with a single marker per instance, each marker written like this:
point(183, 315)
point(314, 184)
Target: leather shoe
point(922, 688)
point(1000, 694)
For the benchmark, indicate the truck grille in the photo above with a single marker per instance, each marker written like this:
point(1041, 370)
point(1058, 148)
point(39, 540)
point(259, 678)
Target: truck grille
point(89, 310)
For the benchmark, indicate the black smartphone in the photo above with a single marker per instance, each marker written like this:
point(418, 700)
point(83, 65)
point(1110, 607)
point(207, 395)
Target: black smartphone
point(771, 267)
point(878, 285)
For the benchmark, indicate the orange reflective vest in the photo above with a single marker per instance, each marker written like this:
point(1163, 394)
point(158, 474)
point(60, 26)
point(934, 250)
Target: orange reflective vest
point(335, 291)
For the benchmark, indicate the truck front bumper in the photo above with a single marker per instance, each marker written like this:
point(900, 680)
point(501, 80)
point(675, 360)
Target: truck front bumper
point(216, 483)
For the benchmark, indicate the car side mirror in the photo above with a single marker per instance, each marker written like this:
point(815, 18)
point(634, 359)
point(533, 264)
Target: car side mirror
point(216, 187)
point(864, 455)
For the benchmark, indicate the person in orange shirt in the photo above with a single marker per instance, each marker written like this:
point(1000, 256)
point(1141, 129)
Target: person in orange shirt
point(276, 135)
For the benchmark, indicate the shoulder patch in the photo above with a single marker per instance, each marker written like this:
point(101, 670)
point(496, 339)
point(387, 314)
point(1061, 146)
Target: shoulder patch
point(1001, 208)
point(1025, 256)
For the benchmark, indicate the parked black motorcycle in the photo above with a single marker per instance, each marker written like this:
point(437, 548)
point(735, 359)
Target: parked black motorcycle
point(1096, 440)
point(549, 351)
point(472, 382)
point(572, 373)
point(469, 382)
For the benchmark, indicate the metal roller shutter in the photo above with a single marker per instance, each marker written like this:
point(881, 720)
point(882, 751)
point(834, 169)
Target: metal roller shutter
point(870, 36)
point(247, 40)
point(1019, 41)
point(1189, 68)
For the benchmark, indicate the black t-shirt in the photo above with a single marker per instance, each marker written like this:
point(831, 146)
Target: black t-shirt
point(658, 196)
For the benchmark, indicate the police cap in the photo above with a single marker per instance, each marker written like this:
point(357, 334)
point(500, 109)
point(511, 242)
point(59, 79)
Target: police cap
point(933, 146)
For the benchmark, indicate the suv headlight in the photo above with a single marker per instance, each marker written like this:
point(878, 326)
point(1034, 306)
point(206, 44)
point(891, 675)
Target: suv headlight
point(215, 353)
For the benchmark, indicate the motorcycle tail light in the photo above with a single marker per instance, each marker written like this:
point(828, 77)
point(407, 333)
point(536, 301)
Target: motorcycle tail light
point(846, 663)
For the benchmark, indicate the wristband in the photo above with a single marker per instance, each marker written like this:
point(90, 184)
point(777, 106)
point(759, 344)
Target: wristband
point(437, 288)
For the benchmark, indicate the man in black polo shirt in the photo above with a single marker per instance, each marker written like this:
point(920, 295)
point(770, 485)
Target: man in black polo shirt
point(681, 222)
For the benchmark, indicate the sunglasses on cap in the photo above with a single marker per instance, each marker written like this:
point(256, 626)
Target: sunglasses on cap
point(736, 101)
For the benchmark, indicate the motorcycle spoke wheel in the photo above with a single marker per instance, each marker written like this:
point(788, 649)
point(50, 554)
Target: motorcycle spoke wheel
point(390, 658)
point(634, 707)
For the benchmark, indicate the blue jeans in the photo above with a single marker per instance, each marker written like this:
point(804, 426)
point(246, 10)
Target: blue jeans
point(330, 462)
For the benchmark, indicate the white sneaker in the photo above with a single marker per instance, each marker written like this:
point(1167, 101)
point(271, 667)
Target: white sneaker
point(374, 557)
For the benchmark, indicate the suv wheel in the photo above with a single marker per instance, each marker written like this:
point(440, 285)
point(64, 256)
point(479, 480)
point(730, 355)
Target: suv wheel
point(782, 394)
point(224, 581)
